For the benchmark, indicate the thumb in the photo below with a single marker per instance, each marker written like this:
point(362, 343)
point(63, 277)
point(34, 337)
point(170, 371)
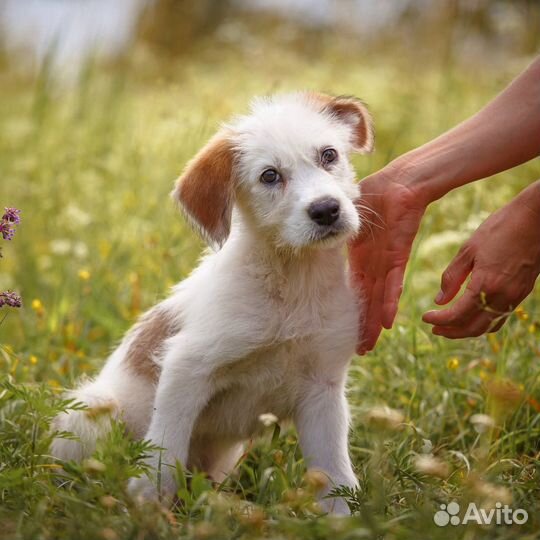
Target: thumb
point(455, 274)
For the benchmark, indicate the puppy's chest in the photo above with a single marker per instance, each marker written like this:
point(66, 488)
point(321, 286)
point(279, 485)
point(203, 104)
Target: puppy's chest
point(304, 304)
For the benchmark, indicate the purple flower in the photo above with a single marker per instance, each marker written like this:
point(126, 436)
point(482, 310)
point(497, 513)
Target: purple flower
point(6, 230)
point(10, 299)
point(12, 215)
point(10, 218)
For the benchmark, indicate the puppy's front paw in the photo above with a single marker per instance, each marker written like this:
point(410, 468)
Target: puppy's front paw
point(335, 505)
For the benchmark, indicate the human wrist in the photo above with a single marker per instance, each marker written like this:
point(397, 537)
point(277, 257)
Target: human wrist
point(530, 198)
point(427, 171)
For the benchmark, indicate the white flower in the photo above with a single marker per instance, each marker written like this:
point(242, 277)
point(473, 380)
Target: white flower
point(431, 466)
point(268, 419)
point(383, 417)
point(60, 246)
point(77, 216)
point(481, 422)
point(427, 447)
point(80, 250)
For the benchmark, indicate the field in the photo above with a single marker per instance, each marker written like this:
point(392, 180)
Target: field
point(91, 164)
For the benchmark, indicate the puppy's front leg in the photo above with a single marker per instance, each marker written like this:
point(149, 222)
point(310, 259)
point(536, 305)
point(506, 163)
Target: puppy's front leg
point(322, 421)
point(182, 393)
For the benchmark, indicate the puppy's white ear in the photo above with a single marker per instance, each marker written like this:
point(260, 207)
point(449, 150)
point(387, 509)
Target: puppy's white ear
point(354, 113)
point(205, 190)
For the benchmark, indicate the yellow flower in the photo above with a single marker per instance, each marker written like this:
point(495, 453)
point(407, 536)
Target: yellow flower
point(84, 274)
point(453, 363)
point(495, 346)
point(33, 360)
point(533, 327)
point(521, 314)
point(37, 306)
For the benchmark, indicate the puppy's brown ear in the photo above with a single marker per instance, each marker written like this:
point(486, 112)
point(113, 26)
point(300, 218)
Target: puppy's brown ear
point(205, 190)
point(354, 113)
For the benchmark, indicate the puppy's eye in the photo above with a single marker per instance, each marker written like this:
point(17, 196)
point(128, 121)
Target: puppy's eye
point(328, 156)
point(270, 176)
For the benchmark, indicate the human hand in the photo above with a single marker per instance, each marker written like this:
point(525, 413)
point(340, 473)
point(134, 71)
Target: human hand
point(391, 211)
point(503, 258)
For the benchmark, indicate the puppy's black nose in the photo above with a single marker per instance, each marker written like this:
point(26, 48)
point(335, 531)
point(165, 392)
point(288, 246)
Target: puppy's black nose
point(324, 212)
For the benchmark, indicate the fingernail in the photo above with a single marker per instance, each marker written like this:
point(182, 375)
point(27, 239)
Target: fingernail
point(439, 297)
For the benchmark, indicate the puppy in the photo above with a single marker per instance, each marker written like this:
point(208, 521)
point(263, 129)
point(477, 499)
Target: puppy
point(265, 324)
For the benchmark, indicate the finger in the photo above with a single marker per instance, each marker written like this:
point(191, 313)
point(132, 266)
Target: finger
point(392, 293)
point(455, 274)
point(370, 323)
point(478, 325)
point(461, 312)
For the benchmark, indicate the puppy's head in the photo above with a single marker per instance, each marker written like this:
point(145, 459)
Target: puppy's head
point(286, 168)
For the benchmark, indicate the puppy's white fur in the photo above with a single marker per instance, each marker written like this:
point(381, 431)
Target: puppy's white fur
point(266, 324)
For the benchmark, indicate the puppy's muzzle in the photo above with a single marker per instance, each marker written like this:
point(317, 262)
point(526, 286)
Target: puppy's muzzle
point(324, 212)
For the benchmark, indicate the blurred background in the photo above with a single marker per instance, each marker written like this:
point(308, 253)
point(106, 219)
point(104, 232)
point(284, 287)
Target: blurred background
point(102, 103)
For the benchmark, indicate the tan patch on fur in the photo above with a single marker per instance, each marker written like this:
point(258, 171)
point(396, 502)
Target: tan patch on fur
point(205, 189)
point(352, 111)
point(147, 339)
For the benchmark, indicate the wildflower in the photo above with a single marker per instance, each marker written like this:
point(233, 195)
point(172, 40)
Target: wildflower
point(521, 314)
point(93, 466)
point(481, 422)
point(10, 299)
point(252, 516)
point(84, 274)
point(453, 363)
point(385, 418)
point(315, 479)
point(268, 419)
point(108, 534)
point(203, 530)
point(490, 494)
point(33, 360)
point(37, 306)
point(7, 230)
point(427, 446)
point(9, 220)
point(60, 246)
point(504, 393)
point(494, 342)
point(12, 215)
point(108, 501)
point(106, 408)
point(534, 327)
point(278, 457)
point(432, 466)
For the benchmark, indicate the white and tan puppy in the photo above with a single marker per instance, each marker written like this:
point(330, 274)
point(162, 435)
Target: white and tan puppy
point(267, 323)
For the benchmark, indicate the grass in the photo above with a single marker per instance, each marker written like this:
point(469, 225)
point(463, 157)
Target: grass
point(91, 165)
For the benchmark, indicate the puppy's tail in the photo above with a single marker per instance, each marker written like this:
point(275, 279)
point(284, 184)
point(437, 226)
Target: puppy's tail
point(84, 427)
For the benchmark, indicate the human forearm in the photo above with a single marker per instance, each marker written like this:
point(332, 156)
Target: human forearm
point(502, 135)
